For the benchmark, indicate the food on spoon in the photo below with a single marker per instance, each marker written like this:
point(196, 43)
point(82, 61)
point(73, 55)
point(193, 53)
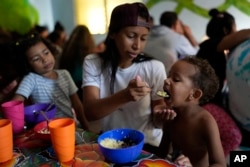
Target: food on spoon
point(162, 94)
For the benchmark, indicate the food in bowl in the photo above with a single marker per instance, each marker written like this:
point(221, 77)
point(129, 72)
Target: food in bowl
point(42, 131)
point(112, 143)
point(126, 145)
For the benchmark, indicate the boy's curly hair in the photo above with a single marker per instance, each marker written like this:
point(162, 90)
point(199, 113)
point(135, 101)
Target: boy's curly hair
point(21, 47)
point(204, 79)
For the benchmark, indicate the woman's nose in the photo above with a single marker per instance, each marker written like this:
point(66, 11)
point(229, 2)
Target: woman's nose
point(136, 44)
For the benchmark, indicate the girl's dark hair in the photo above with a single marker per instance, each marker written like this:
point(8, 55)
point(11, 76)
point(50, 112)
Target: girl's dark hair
point(220, 24)
point(111, 56)
point(205, 78)
point(21, 46)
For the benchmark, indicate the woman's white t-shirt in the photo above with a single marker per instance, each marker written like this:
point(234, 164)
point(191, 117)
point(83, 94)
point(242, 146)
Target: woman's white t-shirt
point(135, 114)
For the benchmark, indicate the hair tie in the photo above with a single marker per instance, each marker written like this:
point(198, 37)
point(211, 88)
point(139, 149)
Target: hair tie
point(220, 15)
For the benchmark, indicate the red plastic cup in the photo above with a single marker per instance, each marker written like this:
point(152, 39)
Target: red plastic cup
point(14, 111)
point(6, 140)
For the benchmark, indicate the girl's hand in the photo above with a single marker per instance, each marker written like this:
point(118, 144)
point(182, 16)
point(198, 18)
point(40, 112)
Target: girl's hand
point(137, 89)
point(183, 161)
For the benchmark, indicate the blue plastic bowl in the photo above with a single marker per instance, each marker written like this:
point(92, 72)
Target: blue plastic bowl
point(32, 115)
point(122, 155)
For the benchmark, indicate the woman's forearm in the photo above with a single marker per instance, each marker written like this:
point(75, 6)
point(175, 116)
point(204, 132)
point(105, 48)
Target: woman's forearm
point(232, 40)
point(98, 108)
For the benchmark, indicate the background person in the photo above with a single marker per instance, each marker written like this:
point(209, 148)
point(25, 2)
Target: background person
point(220, 25)
point(78, 46)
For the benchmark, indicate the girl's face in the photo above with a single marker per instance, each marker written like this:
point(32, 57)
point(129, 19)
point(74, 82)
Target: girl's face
point(130, 42)
point(179, 84)
point(40, 58)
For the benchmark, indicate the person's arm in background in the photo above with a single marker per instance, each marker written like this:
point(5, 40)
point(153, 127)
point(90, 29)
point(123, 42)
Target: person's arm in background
point(189, 35)
point(232, 40)
point(5, 92)
point(185, 30)
point(187, 44)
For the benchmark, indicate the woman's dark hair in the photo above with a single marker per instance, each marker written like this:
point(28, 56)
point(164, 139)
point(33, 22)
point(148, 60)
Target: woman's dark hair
point(110, 55)
point(21, 46)
point(204, 79)
point(79, 45)
point(220, 24)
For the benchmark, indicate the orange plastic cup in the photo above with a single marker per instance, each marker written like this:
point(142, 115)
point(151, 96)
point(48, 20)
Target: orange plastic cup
point(62, 132)
point(6, 140)
point(14, 111)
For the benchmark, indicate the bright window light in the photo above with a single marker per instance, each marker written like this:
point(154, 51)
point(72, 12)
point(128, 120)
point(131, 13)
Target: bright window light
point(95, 14)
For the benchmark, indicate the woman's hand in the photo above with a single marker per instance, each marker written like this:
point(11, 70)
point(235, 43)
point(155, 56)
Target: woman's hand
point(137, 89)
point(184, 161)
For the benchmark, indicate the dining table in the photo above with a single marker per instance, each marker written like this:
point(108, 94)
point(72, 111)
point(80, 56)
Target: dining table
point(31, 151)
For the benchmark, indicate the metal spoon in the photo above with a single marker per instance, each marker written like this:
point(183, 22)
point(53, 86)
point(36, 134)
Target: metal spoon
point(44, 112)
point(48, 108)
point(45, 116)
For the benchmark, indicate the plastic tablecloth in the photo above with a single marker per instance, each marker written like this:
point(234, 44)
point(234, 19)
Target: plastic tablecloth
point(30, 151)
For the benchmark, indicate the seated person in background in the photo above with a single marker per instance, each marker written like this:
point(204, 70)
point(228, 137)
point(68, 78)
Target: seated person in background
point(80, 44)
point(194, 132)
point(171, 40)
point(238, 76)
point(42, 84)
point(185, 44)
point(159, 46)
point(58, 37)
point(220, 25)
point(42, 31)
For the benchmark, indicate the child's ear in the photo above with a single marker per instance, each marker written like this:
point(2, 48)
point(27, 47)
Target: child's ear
point(196, 94)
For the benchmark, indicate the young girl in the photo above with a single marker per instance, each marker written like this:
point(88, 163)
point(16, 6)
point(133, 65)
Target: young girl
point(79, 44)
point(43, 84)
point(194, 132)
point(220, 25)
